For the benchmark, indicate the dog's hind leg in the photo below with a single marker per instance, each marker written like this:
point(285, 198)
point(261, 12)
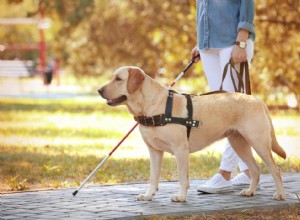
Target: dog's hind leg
point(266, 156)
point(156, 157)
point(243, 150)
point(260, 138)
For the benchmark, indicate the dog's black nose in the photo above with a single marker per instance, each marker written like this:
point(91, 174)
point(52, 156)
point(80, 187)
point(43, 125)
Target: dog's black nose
point(101, 90)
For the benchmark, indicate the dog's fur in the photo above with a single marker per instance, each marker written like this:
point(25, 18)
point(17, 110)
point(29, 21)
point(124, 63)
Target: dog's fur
point(243, 119)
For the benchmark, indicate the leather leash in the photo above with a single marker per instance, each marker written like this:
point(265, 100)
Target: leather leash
point(241, 86)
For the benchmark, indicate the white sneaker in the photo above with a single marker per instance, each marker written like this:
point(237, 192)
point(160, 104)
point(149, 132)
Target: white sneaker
point(241, 180)
point(217, 184)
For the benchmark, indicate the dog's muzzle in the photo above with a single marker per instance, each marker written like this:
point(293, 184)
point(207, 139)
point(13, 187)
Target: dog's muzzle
point(112, 102)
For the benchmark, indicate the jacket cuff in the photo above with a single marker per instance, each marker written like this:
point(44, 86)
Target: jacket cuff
point(247, 26)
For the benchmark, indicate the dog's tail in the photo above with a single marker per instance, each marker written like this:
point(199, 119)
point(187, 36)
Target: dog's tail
point(275, 146)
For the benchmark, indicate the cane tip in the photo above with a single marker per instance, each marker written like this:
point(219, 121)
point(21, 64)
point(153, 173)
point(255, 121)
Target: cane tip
point(75, 192)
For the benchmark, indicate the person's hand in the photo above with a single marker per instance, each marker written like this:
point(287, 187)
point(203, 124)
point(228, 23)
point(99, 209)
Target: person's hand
point(194, 53)
point(238, 54)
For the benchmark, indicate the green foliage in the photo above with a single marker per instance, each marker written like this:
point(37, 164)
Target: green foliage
point(276, 63)
point(134, 33)
point(17, 185)
point(95, 37)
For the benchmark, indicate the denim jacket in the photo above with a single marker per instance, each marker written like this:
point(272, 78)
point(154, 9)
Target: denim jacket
point(218, 22)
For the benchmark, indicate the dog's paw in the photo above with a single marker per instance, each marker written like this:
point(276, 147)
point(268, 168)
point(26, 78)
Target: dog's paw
point(144, 197)
point(247, 192)
point(178, 198)
point(279, 196)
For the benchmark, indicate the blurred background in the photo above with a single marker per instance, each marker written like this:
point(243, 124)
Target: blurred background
point(83, 41)
point(55, 54)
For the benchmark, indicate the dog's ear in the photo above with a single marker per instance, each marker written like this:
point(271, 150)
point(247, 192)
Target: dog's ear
point(135, 79)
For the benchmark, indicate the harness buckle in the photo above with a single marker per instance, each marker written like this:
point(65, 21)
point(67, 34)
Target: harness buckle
point(152, 124)
point(148, 121)
point(158, 120)
point(162, 120)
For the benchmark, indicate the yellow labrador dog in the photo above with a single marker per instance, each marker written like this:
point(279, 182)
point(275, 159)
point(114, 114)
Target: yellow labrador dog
point(243, 119)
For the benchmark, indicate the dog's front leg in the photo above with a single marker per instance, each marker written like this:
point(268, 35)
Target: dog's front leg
point(182, 159)
point(156, 157)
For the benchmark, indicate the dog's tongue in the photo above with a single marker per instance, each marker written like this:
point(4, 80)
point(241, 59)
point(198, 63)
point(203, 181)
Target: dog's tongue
point(110, 102)
point(113, 102)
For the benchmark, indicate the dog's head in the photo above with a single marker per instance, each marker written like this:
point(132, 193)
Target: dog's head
point(126, 81)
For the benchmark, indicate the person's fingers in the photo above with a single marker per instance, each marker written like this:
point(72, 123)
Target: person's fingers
point(238, 59)
point(238, 55)
point(194, 54)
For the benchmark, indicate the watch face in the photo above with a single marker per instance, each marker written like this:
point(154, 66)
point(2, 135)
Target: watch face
point(243, 44)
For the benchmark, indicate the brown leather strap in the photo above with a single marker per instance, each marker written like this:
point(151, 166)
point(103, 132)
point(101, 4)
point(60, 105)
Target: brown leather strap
point(188, 122)
point(240, 87)
point(163, 119)
point(214, 92)
point(157, 120)
point(247, 79)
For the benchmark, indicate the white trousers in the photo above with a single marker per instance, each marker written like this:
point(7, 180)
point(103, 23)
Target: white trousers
point(214, 61)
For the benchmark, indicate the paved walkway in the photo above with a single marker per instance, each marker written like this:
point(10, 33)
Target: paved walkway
point(118, 201)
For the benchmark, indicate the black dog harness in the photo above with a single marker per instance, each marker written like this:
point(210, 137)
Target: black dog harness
point(163, 119)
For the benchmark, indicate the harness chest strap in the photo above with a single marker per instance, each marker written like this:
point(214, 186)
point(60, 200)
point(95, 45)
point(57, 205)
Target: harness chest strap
point(163, 119)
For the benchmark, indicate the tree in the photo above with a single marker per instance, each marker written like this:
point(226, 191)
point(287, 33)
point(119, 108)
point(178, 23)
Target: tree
point(150, 34)
point(277, 55)
point(65, 16)
point(96, 37)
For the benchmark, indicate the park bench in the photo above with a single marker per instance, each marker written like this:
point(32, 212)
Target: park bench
point(16, 68)
point(13, 73)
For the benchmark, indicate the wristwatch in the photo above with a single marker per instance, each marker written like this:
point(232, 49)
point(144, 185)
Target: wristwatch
point(241, 44)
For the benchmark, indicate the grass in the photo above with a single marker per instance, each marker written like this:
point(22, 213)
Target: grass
point(291, 212)
point(55, 143)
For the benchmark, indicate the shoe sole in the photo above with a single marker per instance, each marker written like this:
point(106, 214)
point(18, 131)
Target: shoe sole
point(213, 191)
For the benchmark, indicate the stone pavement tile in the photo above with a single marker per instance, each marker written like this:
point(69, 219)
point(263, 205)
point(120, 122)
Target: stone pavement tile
point(8, 217)
point(119, 201)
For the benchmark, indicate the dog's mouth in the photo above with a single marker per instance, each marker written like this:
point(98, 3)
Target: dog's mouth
point(116, 101)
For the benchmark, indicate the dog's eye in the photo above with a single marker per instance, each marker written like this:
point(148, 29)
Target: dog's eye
point(118, 78)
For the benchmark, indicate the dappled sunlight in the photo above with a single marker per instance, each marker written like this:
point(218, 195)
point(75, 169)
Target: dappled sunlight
point(288, 126)
point(55, 128)
point(57, 143)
